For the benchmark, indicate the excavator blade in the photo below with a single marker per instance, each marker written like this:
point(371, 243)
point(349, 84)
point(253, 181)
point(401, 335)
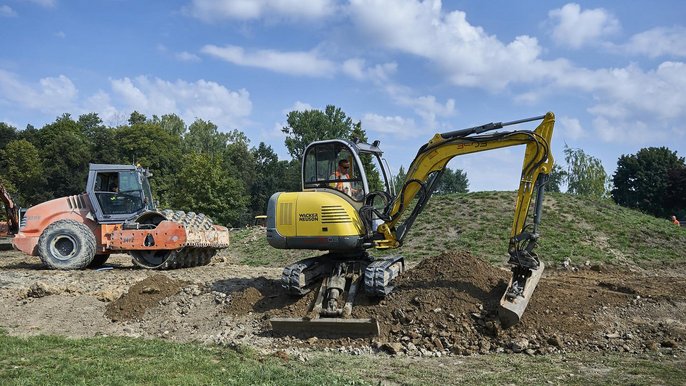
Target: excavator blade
point(511, 310)
point(325, 327)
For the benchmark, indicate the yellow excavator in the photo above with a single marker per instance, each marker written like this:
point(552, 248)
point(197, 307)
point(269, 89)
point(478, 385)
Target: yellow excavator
point(348, 211)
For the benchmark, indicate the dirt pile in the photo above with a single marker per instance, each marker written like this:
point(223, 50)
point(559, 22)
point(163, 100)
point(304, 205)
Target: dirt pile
point(266, 296)
point(448, 304)
point(143, 295)
point(445, 305)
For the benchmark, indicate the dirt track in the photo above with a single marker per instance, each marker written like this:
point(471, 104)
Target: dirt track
point(444, 307)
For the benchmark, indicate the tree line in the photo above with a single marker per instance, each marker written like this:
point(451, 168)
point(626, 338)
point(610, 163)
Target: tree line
point(652, 181)
point(195, 167)
point(200, 168)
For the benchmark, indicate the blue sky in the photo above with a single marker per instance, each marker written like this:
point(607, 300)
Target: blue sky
point(612, 71)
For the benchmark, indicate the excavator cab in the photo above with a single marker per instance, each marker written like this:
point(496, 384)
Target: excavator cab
point(343, 166)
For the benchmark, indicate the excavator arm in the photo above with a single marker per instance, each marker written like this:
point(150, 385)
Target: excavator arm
point(427, 168)
point(432, 158)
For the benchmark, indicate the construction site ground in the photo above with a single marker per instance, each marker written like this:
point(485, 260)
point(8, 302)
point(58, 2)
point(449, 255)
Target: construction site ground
point(443, 306)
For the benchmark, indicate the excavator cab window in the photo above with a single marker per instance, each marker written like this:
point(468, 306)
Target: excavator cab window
point(333, 165)
point(120, 192)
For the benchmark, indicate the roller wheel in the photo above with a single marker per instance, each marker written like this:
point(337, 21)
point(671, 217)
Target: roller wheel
point(186, 257)
point(66, 244)
point(151, 259)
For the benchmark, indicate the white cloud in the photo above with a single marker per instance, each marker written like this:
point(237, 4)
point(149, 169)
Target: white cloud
point(7, 11)
point(190, 100)
point(44, 3)
point(50, 95)
point(624, 131)
point(395, 126)
point(466, 53)
point(576, 28)
point(292, 63)
point(570, 128)
point(630, 104)
point(356, 68)
point(492, 170)
point(101, 103)
point(427, 107)
point(185, 56)
point(298, 106)
point(630, 90)
point(658, 42)
point(212, 10)
point(630, 97)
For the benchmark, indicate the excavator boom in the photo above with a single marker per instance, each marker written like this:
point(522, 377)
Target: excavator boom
point(425, 172)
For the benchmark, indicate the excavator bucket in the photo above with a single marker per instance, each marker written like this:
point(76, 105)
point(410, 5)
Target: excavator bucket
point(325, 327)
point(512, 308)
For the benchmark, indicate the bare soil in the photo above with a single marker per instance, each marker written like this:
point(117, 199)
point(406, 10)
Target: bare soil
point(445, 305)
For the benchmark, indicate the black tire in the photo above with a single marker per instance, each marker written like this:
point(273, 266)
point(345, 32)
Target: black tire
point(99, 260)
point(66, 244)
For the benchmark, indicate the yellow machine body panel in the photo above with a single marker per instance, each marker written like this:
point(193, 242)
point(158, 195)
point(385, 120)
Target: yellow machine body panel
point(313, 220)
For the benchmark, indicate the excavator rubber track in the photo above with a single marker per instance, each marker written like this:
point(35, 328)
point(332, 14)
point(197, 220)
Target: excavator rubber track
point(340, 278)
point(379, 274)
point(204, 239)
point(298, 277)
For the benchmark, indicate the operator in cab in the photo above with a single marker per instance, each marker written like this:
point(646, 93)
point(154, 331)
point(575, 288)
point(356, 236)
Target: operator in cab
point(342, 178)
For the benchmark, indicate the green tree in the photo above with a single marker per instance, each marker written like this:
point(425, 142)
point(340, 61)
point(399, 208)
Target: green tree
point(676, 192)
point(100, 137)
point(642, 180)
point(239, 160)
point(270, 177)
point(452, 182)
point(203, 137)
point(292, 182)
point(137, 118)
point(30, 134)
point(399, 179)
point(305, 127)
point(65, 154)
point(7, 133)
point(22, 166)
point(203, 186)
point(154, 148)
point(171, 123)
point(555, 179)
point(586, 175)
